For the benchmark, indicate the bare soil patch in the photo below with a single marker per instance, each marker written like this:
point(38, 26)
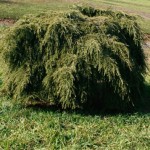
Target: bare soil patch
point(146, 47)
point(8, 2)
point(8, 22)
point(147, 37)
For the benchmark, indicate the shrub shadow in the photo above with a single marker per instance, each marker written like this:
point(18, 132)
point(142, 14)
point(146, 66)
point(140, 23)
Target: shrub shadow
point(144, 109)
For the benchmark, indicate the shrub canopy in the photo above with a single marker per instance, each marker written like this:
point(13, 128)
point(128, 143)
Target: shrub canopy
point(75, 58)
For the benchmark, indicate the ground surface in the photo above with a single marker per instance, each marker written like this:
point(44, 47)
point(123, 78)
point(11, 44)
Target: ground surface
point(24, 128)
point(47, 129)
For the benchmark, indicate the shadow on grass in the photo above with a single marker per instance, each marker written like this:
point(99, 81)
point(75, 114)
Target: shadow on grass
point(146, 101)
point(143, 109)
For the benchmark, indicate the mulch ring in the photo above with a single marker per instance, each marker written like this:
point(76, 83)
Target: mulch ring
point(7, 22)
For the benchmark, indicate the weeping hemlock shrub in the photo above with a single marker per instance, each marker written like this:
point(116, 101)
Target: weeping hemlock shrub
point(83, 57)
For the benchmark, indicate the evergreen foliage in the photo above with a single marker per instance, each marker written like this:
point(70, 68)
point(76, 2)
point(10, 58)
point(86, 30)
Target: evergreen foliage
point(76, 58)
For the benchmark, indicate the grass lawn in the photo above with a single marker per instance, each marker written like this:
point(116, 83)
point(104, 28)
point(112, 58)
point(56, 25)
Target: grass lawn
point(31, 128)
point(16, 8)
point(48, 129)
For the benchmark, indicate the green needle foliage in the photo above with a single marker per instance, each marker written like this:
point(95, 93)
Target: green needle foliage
point(84, 57)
